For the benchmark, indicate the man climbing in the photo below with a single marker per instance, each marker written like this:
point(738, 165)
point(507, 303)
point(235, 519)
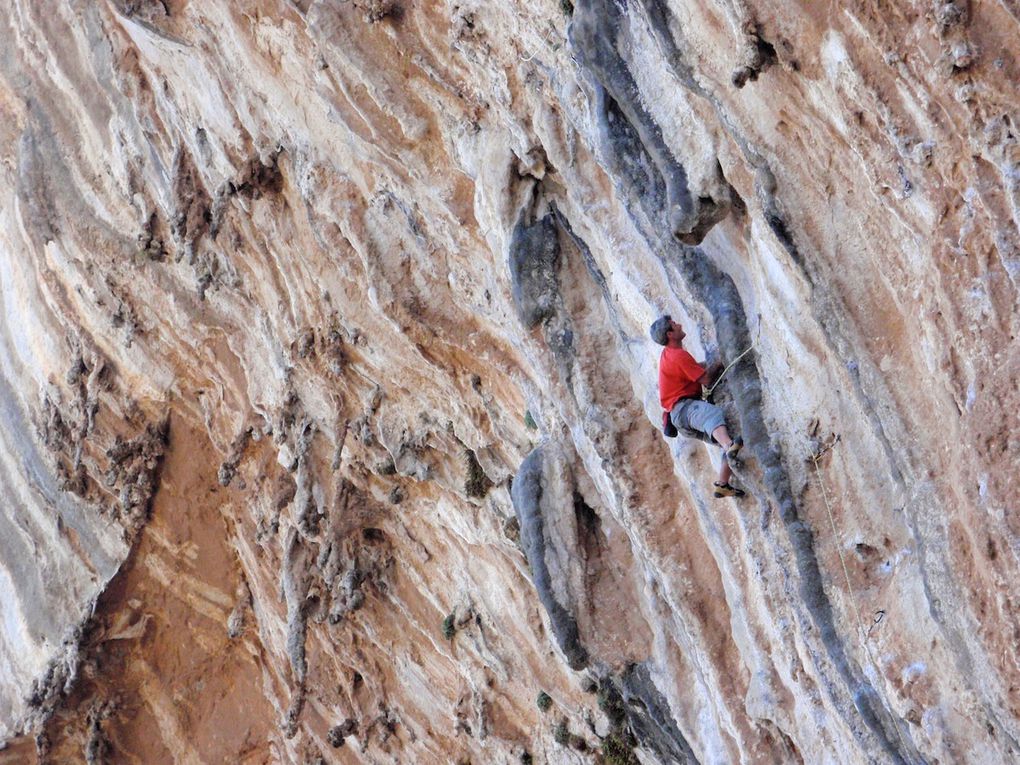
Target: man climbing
point(680, 381)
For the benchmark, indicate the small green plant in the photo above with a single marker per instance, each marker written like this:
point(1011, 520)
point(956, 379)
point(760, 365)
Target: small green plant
point(617, 751)
point(610, 703)
point(477, 484)
point(544, 701)
point(526, 758)
point(529, 421)
point(449, 628)
point(567, 7)
point(561, 734)
point(512, 529)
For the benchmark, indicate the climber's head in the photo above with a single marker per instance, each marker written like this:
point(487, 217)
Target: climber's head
point(664, 330)
point(660, 329)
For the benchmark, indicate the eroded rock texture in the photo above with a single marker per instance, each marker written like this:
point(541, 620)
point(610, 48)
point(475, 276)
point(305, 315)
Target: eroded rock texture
point(330, 412)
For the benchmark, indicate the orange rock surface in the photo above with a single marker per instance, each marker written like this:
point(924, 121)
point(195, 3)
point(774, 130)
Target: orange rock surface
point(330, 429)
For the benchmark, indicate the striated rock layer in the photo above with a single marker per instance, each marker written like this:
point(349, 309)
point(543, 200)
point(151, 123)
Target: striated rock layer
point(330, 421)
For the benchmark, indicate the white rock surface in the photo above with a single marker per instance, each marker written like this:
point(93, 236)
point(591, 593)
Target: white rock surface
point(292, 288)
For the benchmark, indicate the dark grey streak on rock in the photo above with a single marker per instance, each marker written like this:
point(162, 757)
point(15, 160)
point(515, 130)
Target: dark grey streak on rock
point(632, 141)
point(650, 718)
point(530, 505)
point(534, 260)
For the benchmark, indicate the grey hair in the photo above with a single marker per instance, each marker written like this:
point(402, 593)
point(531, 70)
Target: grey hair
point(659, 329)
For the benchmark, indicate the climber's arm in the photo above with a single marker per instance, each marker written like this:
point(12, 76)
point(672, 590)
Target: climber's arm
point(711, 373)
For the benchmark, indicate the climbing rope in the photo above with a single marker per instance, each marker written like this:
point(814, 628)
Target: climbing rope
point(839, 549)
point(708, 393)
point(552, 46)
point(879, 615)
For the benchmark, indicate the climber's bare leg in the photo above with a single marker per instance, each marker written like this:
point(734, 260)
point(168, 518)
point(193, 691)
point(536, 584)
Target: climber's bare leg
point(724, 471)
point(722, 437)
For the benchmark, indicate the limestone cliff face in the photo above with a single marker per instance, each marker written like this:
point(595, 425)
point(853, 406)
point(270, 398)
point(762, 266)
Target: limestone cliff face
point(330, 421)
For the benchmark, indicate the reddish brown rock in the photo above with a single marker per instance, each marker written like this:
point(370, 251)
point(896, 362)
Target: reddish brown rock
point(293, 289)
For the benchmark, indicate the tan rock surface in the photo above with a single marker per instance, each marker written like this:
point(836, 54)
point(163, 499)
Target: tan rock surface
point(330, 422)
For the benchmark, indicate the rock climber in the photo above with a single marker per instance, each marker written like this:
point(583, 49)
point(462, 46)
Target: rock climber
point(680, 381)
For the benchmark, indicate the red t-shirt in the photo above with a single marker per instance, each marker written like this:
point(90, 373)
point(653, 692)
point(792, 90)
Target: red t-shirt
point(678, 376)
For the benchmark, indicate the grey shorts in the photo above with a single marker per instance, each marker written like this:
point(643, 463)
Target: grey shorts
point(691, 414)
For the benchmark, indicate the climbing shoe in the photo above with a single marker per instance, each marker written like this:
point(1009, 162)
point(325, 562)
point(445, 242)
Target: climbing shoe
point(725, 490)
point(733, 450)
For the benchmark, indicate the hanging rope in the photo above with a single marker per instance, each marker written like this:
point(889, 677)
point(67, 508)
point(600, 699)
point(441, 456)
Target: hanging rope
point(708, 392)
point(839, 548)
point(879, 615)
